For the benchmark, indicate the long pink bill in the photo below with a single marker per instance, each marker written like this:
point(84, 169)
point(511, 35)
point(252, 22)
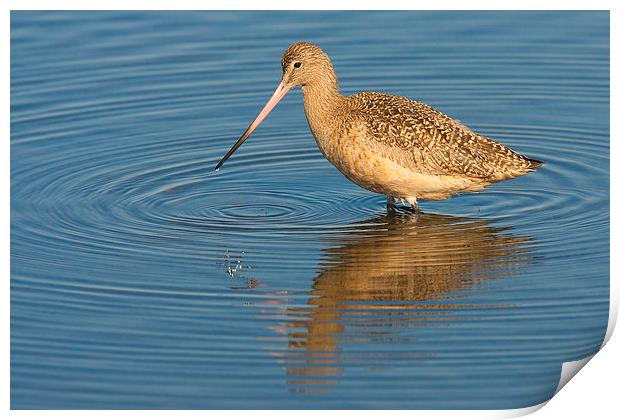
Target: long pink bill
point(281, 90)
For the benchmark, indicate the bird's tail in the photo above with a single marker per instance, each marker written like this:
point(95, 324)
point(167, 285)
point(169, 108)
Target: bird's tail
point(534, 163)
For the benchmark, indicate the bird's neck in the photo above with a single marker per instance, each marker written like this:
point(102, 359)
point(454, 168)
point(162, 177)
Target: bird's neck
point(322, 101)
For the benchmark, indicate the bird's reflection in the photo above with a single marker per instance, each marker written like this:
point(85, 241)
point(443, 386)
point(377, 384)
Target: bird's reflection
point(384, 276)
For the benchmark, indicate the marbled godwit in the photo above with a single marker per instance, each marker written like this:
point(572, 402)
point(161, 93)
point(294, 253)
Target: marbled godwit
point(389, 144)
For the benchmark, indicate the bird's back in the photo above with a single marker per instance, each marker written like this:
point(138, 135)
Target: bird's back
point(423, 139)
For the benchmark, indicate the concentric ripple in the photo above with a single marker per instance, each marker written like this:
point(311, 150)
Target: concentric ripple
point(138, 272)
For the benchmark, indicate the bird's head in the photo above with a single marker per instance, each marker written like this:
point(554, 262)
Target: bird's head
point(303, 64)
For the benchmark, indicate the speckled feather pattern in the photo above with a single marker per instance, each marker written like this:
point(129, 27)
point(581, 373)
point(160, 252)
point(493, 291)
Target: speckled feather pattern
point(431, 142)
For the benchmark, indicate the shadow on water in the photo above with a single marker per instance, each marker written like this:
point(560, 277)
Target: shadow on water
point(390, 274)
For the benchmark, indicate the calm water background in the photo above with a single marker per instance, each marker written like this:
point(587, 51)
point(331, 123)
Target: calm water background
point(141, 280)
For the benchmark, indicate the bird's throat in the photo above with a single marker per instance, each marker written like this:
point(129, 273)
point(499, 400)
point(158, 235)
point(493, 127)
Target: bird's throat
point(321, 104)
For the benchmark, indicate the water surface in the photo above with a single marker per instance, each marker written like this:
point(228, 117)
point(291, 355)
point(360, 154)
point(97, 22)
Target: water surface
point(140, 279)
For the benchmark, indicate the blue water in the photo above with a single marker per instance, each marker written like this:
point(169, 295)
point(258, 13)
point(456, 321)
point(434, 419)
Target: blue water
point(140, 279)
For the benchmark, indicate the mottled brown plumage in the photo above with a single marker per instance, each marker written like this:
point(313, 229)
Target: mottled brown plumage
point(432, 142)
point(390, 144)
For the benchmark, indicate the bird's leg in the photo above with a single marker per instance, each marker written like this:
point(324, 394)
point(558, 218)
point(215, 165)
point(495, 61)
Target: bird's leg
point(391, 204)
point(414, 204)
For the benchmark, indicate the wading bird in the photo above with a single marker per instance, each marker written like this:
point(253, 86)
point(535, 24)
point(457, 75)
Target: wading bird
point(389, 144)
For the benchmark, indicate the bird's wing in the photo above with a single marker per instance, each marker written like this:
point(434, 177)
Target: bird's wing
point(419, 137)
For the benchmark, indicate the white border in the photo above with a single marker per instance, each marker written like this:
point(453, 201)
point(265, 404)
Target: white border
point(596, 383)
point(312, 5)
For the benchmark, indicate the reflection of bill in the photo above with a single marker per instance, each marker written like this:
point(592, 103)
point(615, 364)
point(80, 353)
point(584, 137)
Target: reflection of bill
point(388, 274)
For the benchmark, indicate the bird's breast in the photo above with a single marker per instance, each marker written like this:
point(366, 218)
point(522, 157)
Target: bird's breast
point(349, 153)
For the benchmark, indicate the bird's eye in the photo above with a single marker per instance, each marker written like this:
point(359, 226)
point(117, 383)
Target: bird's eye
point(297, 65)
